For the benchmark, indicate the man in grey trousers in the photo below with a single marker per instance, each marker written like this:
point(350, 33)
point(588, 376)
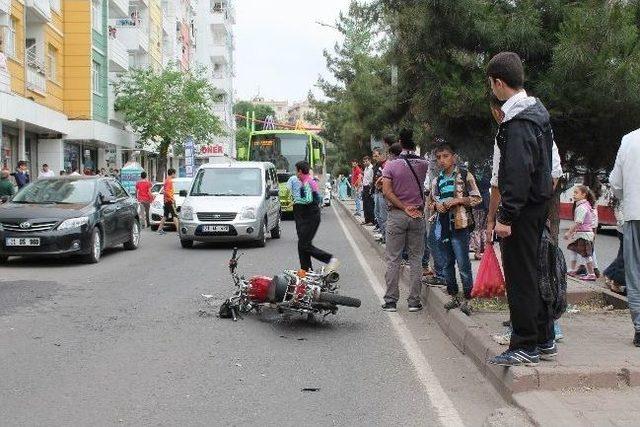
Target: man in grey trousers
point(625, 182)
point(402, 188)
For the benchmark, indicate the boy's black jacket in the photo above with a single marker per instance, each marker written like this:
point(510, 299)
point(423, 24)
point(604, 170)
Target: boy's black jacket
point(524, 178)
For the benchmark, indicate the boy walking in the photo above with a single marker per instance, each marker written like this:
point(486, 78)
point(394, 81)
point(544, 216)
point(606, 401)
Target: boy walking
point(453, 195)
point(170, 213)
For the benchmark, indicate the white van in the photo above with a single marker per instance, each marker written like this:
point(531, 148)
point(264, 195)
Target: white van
point(229, 202)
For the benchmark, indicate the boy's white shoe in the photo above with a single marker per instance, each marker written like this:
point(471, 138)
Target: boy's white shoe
point(333, 265)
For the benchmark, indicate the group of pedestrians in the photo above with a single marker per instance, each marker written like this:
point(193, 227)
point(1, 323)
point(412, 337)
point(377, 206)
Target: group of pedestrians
point(435, 217)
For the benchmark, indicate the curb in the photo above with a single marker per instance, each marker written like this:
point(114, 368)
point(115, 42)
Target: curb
point(470, 339)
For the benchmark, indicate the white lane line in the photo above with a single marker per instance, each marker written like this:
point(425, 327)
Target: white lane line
point(446, 411)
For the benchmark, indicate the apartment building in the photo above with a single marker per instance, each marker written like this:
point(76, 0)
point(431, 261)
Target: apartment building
point(214, 22)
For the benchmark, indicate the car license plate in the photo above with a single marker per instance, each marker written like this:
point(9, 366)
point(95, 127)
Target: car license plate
point(22, 241)
point(215, 228)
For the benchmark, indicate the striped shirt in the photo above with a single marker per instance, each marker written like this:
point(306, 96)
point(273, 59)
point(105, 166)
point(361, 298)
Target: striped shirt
point(447, 185)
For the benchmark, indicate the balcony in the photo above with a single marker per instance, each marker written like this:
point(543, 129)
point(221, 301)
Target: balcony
point(118, 9)
point(38, 10)
point(133, 34)
point(5, 7)
point(219, 53)
point(36, 77)
point(168, 27)
point(118, 56)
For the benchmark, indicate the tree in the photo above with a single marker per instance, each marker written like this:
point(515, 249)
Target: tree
point(243, 107)
point(166, 107)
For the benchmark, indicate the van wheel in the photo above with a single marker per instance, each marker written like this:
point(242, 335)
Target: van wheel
point(95, 244)
point(187, 244)
point(275, 232)
point(262, 237)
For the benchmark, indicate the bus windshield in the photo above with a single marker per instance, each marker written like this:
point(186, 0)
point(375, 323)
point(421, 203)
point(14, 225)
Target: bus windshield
point(283, 150)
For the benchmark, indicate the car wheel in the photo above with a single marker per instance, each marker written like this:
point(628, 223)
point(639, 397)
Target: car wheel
point(134, 237)
point(262, 237)
point(275, 232)
point(186, 243)
point(96, 247)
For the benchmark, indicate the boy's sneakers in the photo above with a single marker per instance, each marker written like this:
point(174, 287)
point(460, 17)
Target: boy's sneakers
point(333, 265)
point(465, 307)
point(454, 303)
point(415, 307)
point(516, 358)
point(162, 232)
point(557, 332)
point(548, 351)
point(379, 237)
point(589, 278)
point(389, 306)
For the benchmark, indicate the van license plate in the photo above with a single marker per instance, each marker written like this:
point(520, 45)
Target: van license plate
point(215, 228)
point(22, 241)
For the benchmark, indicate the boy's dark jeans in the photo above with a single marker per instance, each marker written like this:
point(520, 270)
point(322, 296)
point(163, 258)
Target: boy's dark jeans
point(435, 251)
point(456, 251)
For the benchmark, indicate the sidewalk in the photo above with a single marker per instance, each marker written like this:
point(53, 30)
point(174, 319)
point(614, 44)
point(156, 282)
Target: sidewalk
point(596, 352)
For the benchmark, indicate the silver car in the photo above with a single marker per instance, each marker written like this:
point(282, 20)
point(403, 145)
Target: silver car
point(229, 202)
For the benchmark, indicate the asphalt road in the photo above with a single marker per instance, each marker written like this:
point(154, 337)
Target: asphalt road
point(122, 343)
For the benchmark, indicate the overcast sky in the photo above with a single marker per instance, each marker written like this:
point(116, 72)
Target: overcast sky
point(279, 46)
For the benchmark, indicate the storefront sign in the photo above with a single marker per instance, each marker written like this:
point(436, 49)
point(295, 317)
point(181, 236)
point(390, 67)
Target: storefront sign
point(212, 150)
point(189, 157)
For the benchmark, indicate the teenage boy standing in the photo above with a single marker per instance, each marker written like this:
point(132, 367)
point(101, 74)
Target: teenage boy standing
point(453, 195)
point(380, 205)
point(525, 141)
point(367, 191)
point(402, 186)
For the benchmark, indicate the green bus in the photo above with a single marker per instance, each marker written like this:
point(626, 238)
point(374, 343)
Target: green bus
point(285, 148)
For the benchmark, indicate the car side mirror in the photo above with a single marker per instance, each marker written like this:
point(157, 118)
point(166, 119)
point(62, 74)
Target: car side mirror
point(273, 193)
point(183, 193)
point(107, 199)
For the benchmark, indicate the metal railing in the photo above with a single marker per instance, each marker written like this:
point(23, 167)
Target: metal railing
point(36, 75)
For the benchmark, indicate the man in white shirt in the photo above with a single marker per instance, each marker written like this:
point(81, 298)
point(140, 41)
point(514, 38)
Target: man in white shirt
point(46, 172)
point(625, 182)
point(367, 192)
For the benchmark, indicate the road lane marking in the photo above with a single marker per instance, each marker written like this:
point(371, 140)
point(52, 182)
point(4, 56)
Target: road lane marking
point(444, 407)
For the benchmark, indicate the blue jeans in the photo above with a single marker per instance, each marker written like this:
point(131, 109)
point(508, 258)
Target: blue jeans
point(380, 212)
point(435, 251)
point(357, 197)
point(632, 268)
point(456, 250)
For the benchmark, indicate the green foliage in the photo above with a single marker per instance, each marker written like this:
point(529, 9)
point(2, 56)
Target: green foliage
point(166, 107)
point(582, 59)
point(242, 136)
point(244, 107)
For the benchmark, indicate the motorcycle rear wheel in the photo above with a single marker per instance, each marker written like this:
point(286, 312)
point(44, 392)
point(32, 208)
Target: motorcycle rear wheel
point(339, 299)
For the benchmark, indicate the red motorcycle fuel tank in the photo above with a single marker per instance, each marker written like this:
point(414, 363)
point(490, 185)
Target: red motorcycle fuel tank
point(259, 289)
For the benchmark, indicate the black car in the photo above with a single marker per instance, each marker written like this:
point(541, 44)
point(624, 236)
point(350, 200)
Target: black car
point(69, 216)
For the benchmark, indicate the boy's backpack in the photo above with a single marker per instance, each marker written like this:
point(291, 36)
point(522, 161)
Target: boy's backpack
point(552, 270)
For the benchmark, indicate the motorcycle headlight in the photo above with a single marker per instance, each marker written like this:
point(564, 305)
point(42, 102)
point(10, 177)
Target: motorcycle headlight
point(157, 204)
point(248, 212)
point(186, 213)
point(73, 223)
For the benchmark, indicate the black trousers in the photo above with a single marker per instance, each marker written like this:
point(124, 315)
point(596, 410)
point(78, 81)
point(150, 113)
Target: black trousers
point(368, 205)
point(307, 219)
point(530, 319)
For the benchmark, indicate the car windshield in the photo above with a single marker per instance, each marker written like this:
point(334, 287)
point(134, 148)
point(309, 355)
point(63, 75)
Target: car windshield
point(228, 182)
point(57, 191)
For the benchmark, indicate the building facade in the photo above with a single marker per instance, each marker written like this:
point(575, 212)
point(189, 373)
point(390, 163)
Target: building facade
point(214, 22)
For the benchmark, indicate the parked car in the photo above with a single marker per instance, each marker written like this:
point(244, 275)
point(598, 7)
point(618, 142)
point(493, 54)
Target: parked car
point(68, 216)
point(231, 202)
point(156, 188)
point(157, 206)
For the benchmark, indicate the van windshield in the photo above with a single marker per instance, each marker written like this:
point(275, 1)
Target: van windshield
point(228, 182)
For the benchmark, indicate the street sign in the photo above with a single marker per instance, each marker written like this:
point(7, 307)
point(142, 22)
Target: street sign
point(189, 157)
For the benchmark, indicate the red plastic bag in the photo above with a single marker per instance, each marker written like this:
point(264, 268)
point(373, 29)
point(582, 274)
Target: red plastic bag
point(489, 282)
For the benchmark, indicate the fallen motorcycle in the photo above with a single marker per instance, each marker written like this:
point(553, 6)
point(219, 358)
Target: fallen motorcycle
point(306, 293)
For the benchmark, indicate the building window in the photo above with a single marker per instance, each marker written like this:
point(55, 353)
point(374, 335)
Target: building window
point(95, 77)
point(97, 15)
point(10, 39)
point(52, 63)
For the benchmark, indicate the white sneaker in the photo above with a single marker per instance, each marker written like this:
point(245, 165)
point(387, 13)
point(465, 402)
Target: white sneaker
point(378, 236)
point(333, 265)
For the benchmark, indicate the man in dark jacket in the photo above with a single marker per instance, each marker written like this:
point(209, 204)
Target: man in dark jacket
point(22, 174)
point(525, 141)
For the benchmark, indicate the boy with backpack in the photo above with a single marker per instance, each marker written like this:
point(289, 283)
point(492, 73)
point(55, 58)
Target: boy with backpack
point(453, 195)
